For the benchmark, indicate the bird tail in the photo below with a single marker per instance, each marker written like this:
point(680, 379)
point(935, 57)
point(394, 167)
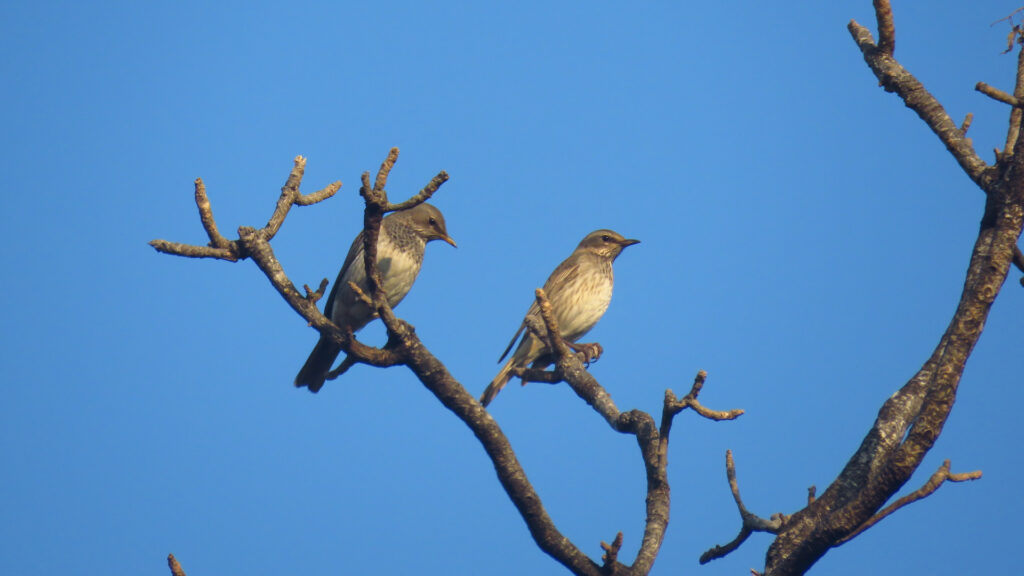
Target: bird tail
point(498, 383)
point(314, 371)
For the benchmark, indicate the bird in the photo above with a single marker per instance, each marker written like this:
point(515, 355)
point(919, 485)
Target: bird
point(403, 239)
point(579, 290)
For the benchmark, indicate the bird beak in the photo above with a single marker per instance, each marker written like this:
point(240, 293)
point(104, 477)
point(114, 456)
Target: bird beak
point(449, 240)
point(628, 242)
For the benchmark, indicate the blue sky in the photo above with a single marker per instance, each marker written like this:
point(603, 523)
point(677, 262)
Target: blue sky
point(804, 241)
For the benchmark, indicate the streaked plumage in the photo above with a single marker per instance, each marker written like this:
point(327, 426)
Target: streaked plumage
point(400, 247)
point(579, 290)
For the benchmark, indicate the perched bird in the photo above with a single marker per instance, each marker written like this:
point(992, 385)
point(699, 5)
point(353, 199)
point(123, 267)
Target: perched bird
point(579, 291)
point(403, 239)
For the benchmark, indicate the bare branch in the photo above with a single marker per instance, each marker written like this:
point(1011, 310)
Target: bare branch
point(404, 347)
point(894, 78)
point(231, 250)
point(361, 295)
point(724, 550)
point(1008, 17)
point(1017, 113)
point(193, 251)
point(172, 562)
point(751, 522)
point(690, 401)
point(289, 193)
point(527, 374)
point(910, 421)
point(206, 217)
point(672, 406)
point(941, 475)
point(421, 196)
point(966, 124)
point(886, 28)
point(996, 94)
point(319, 195)
point(611, 552)
point(385, 169)
point(635, 422)
point(314, 297)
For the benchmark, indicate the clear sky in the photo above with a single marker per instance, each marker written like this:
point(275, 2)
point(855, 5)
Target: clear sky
point(804, 241)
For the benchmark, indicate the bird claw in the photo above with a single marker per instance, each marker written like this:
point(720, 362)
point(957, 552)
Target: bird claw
point(588, 352)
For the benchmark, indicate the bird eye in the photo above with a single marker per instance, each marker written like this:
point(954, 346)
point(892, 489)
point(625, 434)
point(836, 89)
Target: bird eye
point(606, 238)
point(433, 222)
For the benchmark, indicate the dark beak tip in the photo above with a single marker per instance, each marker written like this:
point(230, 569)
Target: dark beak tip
point(630, 242)
point(449, 240)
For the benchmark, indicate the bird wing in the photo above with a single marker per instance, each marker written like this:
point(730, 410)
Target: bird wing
point(355, 250)
point(534, 310)
point(563, 275)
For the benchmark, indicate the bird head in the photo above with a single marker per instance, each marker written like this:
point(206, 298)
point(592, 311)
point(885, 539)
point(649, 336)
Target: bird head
point(428, 222)
point(605, 243)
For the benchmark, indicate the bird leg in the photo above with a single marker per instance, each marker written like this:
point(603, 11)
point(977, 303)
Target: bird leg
point(588, 352)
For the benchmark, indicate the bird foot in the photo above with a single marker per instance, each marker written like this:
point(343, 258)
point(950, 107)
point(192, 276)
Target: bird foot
point(588, 352)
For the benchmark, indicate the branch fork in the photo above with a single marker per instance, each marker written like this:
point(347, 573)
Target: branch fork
point(750, 522)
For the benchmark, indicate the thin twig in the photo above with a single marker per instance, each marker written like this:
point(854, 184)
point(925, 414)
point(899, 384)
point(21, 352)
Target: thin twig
point(941, 475)
point(193, 251)
point(996, 94)
point(1016, 114)
point(886, 28)
point(289, 193)
point(751, 522)
point(385, 169)
point(176, 569)
point(673, 406)
point(966, 124)
point(319, 195)
point(611, 552)
point(1009, 17)
point(314, 296)
point(362, 295)
point(421, 196)
point(206, 217)
point(690, 401)
point(894, 78)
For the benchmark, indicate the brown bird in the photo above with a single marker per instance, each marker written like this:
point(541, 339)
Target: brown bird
point(400, 247)
point(579, 290)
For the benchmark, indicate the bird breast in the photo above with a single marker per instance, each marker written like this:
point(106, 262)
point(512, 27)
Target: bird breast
point(398, 270)
point(584, 300)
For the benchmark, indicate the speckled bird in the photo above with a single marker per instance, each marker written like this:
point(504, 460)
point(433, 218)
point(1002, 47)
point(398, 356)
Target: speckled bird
point(579, 290)
point(400, 247)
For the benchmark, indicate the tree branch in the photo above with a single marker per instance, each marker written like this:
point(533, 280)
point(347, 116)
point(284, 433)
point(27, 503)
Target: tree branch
point(314, 296)
point(172, 563)
point(653, 443)
point(255, 244)
point(911, 420)
point(886, 28)
point(894, 78)
point(996, 94)
point(206, 217)
point(611, 554)
point(404, 347)
point(750, 522)
point(933, 483)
